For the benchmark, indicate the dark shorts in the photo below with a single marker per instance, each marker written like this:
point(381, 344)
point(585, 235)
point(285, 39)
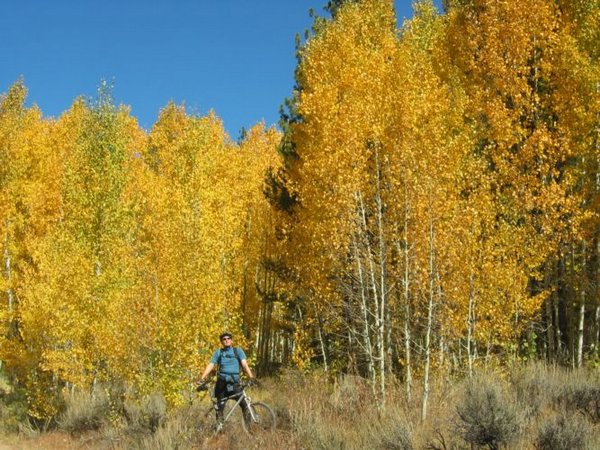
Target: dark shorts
point(228, 387)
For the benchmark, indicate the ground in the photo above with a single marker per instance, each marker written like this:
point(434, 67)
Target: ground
point(45, 441)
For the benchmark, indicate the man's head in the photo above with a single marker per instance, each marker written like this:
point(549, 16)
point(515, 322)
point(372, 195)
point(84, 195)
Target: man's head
point(226, 339)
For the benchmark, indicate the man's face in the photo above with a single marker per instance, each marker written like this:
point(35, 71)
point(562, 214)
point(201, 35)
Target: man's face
point(226, 341)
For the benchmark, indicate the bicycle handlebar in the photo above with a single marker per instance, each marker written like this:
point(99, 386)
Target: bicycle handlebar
point(203, 386)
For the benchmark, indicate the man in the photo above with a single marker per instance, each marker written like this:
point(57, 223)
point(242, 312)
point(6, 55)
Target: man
point(230, 360)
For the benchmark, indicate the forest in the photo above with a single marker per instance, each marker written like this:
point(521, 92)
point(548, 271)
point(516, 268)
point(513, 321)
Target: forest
point(428, 208)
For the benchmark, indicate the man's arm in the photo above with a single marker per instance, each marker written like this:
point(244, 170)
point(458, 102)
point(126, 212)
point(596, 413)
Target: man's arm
point(247, 369)
point(207, 371)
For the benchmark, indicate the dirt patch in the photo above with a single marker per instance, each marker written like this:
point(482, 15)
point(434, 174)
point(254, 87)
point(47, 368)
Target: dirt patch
point(48, 441)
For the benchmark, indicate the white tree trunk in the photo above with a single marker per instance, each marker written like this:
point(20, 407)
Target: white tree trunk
point(470, 322)
point(323, 347)
point(583, 289)
point(8, 276)
point(365, 316)
point(406, 286)
point(597, 320)
point(550, 333)
point(383, 306)
point(373, 278)
point(580, 333)
point(430, 307)
point(407, 331)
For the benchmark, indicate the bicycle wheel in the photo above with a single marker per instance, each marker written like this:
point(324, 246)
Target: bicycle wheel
point(261, 418)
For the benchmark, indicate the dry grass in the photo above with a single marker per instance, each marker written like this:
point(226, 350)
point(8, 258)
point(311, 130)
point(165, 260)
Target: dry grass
point(488, 414)
point(85, 411)
point(564, 432)
point(533, 407)
point(347, 415)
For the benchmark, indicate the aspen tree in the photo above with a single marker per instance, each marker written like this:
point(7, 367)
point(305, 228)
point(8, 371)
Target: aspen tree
point(333, 82)
point(204, 227)
point(506, 68)
point(566, 83)
point(28, 206)
point(423, 165)
point(79, 302)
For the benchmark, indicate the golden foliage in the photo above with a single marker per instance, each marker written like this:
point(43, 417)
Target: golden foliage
point(440, 172)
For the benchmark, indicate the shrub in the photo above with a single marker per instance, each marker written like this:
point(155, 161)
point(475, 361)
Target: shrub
point(349, 393)
point(395, 437)
point(486, 415)
point(186, 427)
point(155, 409)
point(85, 411)
point(584, 398)
point(535, 386)
point(347, 417)
point(309, 423)
point(13, 410)
point(147, 414)
point(563, 433)
point(173, 434)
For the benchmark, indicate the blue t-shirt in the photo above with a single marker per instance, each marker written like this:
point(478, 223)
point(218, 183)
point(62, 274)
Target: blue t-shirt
point(229, 362)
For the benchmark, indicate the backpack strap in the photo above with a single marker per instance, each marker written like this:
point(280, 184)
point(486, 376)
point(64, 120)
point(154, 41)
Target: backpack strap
point(236, 353)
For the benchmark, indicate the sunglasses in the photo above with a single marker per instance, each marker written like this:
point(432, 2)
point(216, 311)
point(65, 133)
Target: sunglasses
point(226, 339)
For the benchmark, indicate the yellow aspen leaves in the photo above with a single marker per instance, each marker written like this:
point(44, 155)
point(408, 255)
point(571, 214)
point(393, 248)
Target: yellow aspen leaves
point(433, 207)
point(125, 253)
point(436, 175)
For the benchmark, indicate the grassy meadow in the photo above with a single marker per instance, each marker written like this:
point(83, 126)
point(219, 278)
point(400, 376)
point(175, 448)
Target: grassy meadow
point(530, 407)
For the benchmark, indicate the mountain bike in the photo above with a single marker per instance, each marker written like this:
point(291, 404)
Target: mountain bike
point(258, 416)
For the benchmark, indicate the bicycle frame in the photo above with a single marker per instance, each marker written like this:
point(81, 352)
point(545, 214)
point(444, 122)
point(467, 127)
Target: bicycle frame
point(242, 396)
point(256, 414)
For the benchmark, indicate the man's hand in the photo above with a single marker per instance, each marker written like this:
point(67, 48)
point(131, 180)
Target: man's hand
point(252, 382)
point(201, 386)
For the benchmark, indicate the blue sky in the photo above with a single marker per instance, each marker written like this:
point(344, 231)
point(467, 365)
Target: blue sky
point(233, 56)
